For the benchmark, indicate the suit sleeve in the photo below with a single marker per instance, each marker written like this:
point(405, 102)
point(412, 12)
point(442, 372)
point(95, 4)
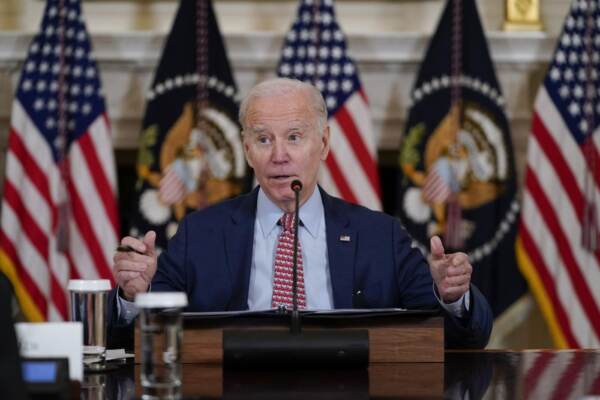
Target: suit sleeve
point(416, 292)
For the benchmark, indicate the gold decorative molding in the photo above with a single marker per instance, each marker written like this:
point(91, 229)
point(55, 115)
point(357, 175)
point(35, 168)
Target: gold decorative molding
point(522, 15)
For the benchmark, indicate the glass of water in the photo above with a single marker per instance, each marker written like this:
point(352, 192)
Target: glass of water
point(161, 334)
point(88, 305)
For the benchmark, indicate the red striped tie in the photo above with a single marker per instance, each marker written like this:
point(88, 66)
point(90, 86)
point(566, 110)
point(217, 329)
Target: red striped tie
point(283, 276)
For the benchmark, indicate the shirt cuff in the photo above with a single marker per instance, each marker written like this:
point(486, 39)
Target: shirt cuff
point(458, 308)
point(127, 311)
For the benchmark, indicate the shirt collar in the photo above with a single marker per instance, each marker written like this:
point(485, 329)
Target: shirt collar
point(311, 213)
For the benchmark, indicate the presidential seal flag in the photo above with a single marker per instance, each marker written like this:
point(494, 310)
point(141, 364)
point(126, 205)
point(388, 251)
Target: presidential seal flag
point(315, 51)
point(190, 153)
point(559, 241)
point(457, 168)
point(59, 211)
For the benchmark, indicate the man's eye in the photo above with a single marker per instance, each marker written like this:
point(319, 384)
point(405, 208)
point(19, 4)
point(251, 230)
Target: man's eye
point(294, 137)
point(263, 140)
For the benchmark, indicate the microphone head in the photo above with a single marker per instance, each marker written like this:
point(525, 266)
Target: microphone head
point(296, 185)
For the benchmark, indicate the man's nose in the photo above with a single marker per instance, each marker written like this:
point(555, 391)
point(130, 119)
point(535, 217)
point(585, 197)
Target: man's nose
point(280, 152)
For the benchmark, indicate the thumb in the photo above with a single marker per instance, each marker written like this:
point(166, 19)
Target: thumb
point(436, 248)
point(149, 239)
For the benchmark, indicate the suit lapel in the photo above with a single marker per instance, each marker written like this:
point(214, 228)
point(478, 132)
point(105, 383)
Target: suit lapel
point(341, 247)
point(239, 240)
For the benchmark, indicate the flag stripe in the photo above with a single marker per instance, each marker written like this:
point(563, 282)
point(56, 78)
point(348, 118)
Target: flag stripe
point(339, 179)
point(550, 217)
point(83, 224)
point(541, 271)
point(534, 373)
point(101, 183)
point(358, 145)
point(39, 299)
point(564, 386)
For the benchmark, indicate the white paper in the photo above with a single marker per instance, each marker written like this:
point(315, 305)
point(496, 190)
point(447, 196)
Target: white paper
point(53, 339)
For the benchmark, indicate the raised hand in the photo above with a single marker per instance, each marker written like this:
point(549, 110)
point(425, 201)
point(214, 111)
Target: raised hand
point(134, 268)
point(451, 272)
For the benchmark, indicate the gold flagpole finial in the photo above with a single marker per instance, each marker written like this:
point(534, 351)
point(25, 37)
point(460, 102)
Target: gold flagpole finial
point(523, 15)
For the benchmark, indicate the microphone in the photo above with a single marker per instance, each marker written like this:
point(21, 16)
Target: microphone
point(296, 186)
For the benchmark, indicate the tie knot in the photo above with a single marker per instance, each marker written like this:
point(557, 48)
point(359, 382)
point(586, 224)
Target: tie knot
point(287, 221)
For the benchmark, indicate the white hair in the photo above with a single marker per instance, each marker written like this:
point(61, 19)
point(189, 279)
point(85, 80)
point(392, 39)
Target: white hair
point(282, 86)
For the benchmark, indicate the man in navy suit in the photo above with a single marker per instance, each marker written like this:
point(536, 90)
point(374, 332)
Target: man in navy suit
point(352, 257)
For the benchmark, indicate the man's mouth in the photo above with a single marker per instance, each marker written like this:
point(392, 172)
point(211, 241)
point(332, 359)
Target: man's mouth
point(281, 177)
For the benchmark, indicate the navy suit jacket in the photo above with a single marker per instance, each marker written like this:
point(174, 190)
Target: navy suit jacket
point(211, 255)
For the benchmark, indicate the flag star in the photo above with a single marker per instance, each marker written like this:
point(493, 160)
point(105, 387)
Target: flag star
point(71, 124)
point(310, 68)
point(73, 107)
point(324, 52)
point(47, 49)
point(301, 51)
point(583, 125)
point(555, 74)
point(75, 90)
point(565, 39)
point(86, 109)
point(326, 18)
point(38, 104)
point(68, 51)
point(41, 86)
point(70, 33)
point(51, 104)
point(328, 3)
point(574, 108)
point(564, 91)
point(35, 47)
point(326, 35)
point(588, 109)
point(578, 91)
point(77, 71)
point(573, 58)
point(285, 69)
point(53, 86)
point(580, 21)
point(304, 34)
point(52, 11)
point(331, 102)
point(50, 123)
point(585, 58)
point(560, 57)
point(288, 52)
point(581, 74)
point(312, 51)
point(49, 30)
point(348, 68)
point(26, 85)
point(337, 52)
point(81, 36)
point(320, 85)
point(332, 85)
point(90, 72)
point(298, 69)
point(79, 53)
point(306, 17)
point(72, 15)
point(493, 93)
point(335, 69)
point(30, 66)
point(568, 74)
point(322, 69)
point(347, 85)
point(291, 36)
point(598, 108)
point(576, 40)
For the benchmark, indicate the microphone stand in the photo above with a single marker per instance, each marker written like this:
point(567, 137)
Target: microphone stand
point(296, 326)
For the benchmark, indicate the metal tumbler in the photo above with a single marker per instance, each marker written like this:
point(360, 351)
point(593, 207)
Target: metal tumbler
point(88, 306)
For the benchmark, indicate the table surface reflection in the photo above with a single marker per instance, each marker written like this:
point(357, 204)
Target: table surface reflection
point(464, 374)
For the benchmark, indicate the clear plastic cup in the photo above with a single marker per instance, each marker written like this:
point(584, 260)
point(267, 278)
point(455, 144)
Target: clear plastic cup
point(88, 305)
point(161, 334)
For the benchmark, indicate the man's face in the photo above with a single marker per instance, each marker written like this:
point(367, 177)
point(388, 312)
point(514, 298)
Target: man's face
point(281, 143)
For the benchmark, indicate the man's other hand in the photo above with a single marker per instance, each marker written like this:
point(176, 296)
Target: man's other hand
point(451, 272)
point(135, 268)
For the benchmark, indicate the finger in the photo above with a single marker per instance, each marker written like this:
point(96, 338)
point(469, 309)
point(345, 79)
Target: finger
point(436, 248)
point(464, 269)
point(130, 265)
point(459, 258)
point(456, 281)
point(134, 243)
point(124, 276)
point(455, 292)
point(149, 241)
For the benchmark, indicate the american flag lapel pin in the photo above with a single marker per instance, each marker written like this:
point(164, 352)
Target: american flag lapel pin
point(344, 238)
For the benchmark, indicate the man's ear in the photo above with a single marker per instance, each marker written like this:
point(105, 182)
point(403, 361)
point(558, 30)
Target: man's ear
point(325, 143)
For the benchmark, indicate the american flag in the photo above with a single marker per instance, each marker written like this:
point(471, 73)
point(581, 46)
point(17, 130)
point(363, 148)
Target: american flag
point(315, 51)
point(558, 245)
point(59, 215)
